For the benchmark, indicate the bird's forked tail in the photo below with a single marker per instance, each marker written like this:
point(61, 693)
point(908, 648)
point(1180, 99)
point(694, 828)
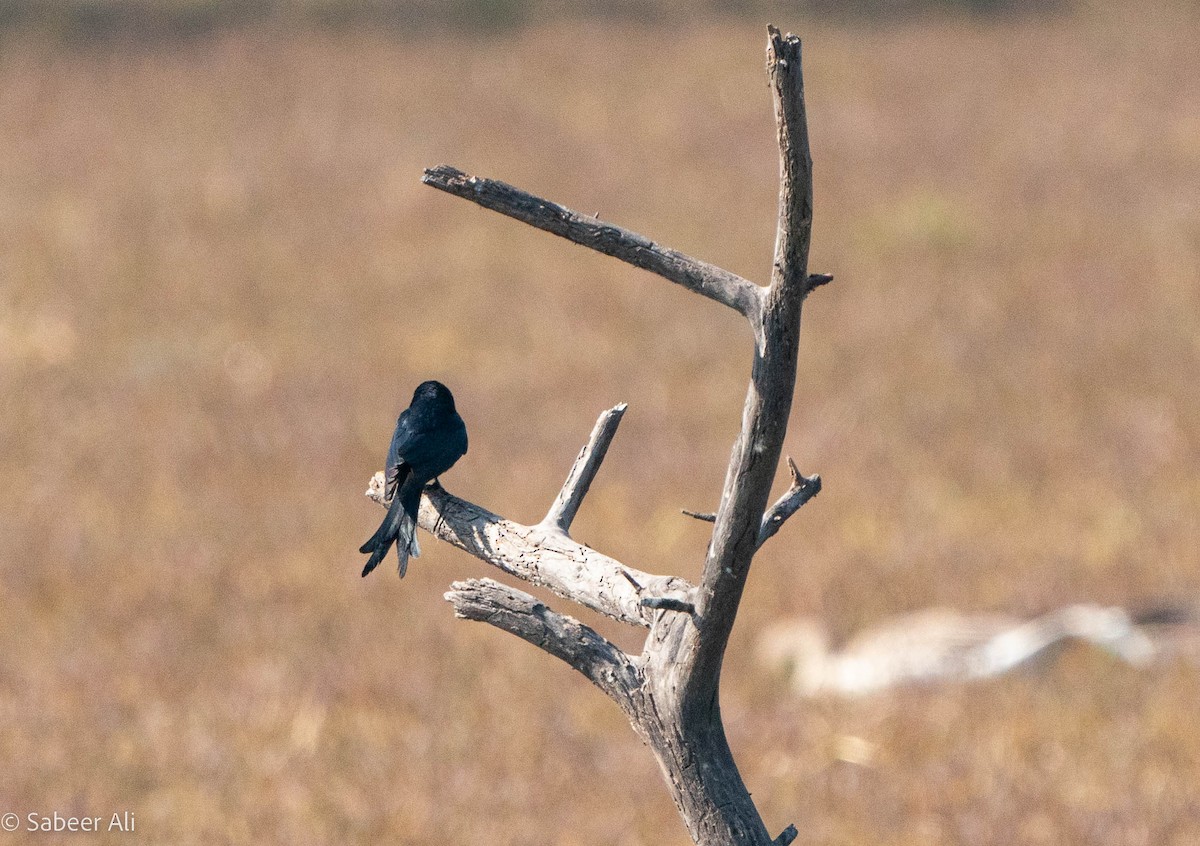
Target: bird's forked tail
point(399, 527)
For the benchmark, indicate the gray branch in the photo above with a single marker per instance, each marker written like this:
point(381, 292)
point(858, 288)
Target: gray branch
point(546, 559)
point(519, 613)
point(583, 471)
point(586, 230)
point(802, 490)
point(670, 692)
point(794, 228)
point(755, 456)
point(669, 603)
point(816, 280)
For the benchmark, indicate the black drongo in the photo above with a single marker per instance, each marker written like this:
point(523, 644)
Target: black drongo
point(429, 438)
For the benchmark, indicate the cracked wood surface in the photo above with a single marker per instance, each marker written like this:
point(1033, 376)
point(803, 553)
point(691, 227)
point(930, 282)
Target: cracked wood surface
point(670, 692)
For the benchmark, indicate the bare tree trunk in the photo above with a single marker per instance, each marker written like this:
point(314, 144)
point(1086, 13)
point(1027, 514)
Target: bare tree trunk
point(688, 740)
point(670, 692)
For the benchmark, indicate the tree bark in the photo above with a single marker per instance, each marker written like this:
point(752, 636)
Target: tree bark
point(671, 691)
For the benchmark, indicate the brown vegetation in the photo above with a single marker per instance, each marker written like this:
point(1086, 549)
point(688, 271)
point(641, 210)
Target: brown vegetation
point(222, 279)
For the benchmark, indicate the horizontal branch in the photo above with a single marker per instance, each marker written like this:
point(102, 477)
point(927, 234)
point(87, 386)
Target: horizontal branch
point(583, 471)
point(547, 559)
point(587, 231)
point(669, 603)
point(519, 613)
point(816, 280)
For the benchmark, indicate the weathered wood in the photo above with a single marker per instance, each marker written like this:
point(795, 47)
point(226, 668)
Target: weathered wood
point(793, 230)
point(612, 240)
point(786, 836)
point(755, 456)
point(802, 490)
point(671, 691)
point(670, 603)
point(519, 613)
point(583, 471)
point(546, 559)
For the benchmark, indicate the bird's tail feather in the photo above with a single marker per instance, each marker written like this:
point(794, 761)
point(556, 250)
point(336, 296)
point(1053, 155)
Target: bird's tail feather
point(406, 544)
point(409, 497)
point(399, 527)
point(381, 541)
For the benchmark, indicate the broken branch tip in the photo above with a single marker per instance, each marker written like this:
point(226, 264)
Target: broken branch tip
point(787, 836)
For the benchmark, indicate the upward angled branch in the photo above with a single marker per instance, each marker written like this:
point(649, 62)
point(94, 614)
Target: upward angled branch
point(802, 490)
point(793, 231)
point(583, 471)
point(695, 275)
point(755, 457)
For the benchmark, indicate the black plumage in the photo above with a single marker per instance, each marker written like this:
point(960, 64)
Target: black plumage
point(430, 436)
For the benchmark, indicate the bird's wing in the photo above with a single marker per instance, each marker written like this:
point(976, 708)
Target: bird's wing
point(401, 438)
point(430, 445)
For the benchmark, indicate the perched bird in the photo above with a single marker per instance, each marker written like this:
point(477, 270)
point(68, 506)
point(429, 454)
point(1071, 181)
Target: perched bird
point(429, 438)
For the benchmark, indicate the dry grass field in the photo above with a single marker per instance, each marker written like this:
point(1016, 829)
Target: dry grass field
point(220, 280)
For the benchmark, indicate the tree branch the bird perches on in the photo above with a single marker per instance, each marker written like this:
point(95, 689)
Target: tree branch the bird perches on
point(670, 691)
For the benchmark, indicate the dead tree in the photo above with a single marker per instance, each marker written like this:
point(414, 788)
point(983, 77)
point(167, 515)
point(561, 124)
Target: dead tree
point(669, 691)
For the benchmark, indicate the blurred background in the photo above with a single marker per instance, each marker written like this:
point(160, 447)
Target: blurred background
point(220, 280)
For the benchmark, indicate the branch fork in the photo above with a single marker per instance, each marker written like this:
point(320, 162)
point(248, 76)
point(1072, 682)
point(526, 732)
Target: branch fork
point(802, 490)
point(670, 691)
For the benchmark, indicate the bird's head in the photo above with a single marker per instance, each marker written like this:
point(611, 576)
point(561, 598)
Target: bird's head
point(435, 393)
